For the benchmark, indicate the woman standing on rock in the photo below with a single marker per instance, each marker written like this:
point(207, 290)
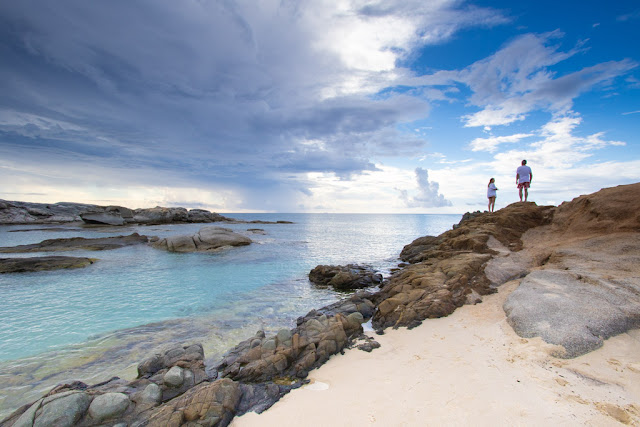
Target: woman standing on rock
point(491, 194)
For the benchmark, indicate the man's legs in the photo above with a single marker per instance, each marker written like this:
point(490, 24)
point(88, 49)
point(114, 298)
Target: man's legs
point(520, 192)
point(526, 194)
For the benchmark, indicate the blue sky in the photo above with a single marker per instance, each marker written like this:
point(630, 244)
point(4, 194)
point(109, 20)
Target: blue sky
point(324, 106)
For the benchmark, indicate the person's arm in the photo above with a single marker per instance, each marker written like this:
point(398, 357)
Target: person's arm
point(517, 177)
point(530, 177)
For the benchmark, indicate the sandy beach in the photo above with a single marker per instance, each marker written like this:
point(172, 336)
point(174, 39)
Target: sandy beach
point(469, 368)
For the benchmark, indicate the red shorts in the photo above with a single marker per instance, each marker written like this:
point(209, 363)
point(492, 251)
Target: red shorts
point(524, 184)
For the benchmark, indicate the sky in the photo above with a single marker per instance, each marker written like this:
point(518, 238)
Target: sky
point(341, 106)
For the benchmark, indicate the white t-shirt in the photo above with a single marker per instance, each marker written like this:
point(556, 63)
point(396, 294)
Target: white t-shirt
point(524, 173)
point(491, 191)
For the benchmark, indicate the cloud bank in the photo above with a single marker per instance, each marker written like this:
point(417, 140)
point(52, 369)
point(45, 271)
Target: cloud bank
point(247, 106)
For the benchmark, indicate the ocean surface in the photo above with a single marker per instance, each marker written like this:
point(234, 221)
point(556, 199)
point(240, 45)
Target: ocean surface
point(94, 323)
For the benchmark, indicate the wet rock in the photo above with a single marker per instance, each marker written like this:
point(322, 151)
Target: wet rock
point(151, 395)
point(174, 377)
point(108, 405)
point(62, 409)
point(344, 277)
point(260, 397)
point(206, 404)
point(291, 354)
point(21, 265)
point(79, 243)
point(209, 238)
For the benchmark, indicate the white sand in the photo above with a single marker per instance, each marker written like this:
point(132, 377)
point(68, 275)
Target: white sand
point(469, 368)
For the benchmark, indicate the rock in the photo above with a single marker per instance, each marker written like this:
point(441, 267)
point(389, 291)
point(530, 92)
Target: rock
point(190, 356)
point(609, 210)
point(201, 215)
point(448, 271)
point(209, 238)
point(63, 409)
point(260, 397)
point(106, 218)
point(344, 277)
point(151, 395)
point(355, 319)
point(108, 405)
point(576, 311)
point(41, 213)
point(413, 250)
point(206, 404)
point(79, 243)
point(174, 377)
point(21, 265)
point(160, 215)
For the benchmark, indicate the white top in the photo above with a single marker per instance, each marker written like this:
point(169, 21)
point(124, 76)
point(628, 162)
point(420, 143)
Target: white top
point(524, 173)
point(491, 191)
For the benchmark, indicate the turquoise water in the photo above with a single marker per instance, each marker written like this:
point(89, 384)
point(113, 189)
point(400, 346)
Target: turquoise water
point(98, 320)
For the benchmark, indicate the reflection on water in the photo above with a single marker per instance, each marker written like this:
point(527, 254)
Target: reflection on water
point(101, 321)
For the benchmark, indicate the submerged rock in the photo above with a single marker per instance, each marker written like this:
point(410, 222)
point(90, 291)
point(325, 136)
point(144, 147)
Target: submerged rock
point(209, 238)
point(22, 265)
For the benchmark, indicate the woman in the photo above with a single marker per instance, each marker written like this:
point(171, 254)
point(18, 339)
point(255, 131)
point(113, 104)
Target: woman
point(491, 194)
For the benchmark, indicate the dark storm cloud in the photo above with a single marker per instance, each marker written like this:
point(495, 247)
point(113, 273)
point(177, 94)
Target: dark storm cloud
point(201, 91)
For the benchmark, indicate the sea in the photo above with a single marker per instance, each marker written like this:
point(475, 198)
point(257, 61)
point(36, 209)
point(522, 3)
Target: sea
point(94, 323)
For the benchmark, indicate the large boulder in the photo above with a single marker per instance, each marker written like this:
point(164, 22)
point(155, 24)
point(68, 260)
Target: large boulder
point(110, 215)
point(345, 277)
point(209, 238)
point(160, 215)
point(62, 409)
point(575, 311)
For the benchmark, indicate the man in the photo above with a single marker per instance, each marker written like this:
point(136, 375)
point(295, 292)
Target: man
point(523, 179)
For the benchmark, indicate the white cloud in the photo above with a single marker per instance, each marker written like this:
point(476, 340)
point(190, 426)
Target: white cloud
point(428, 193)
point(491, 144)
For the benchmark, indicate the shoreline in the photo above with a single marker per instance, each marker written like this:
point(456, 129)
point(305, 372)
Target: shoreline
point(469, 368)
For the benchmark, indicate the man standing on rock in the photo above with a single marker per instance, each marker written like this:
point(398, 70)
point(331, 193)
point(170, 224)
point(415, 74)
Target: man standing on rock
point(523, 179)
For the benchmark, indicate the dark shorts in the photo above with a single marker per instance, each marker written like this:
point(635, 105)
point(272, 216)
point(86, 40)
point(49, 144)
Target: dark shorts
point(524, 185)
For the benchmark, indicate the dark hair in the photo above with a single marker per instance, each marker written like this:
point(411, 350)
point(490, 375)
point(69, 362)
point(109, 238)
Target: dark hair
point(490, 182)
point(524, 162)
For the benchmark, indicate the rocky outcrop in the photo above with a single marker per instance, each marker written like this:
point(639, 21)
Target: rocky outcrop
point(585, 286)
point(345, 277)
point(79, 243)
point(209, 238)
point(610, 210)
point(23, 265)
point(448, 271)
point(41, 213)
point(53, 213)
point(292, 353)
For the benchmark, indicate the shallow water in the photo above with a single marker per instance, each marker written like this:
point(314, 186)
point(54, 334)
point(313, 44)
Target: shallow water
point(93, 323)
